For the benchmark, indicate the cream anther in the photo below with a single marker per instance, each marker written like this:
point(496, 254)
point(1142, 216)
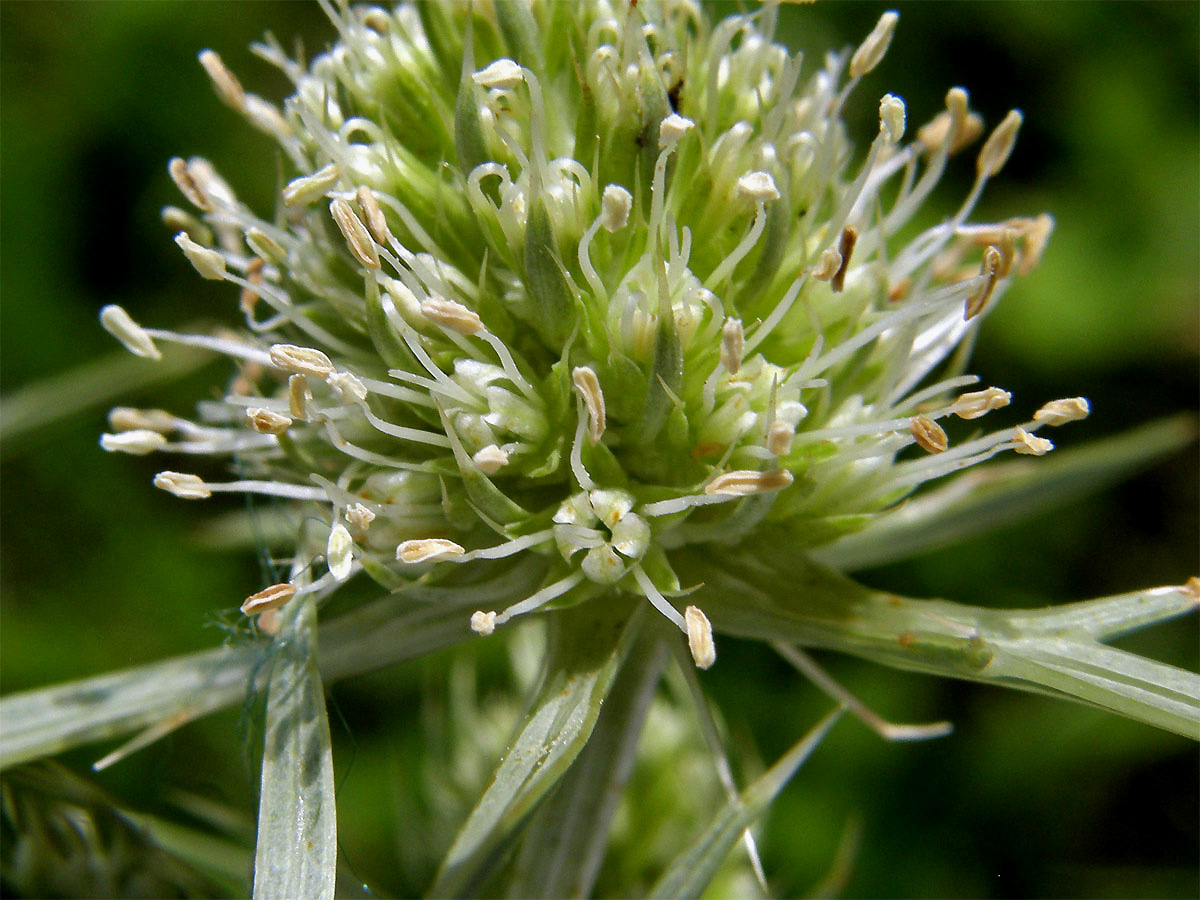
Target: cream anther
point(347, 386)
point(587, 385)
point(269, 598)
point(828, 265)
point(118, 323)
point(872, 49)
point(266, 421)
point(308, 188)
point(126, 418)
point(138, 442)
point(700, 637)
point(758, 186)
point(358, 239)
point(672, 129)
point(1030, 444)
point(359, 516)
point(733, 345)
point(452, 315)
point(483, 622)
point(299, 396)
point(228, 88)
point(373, 215)
point(928, 434)
point(977, 403)
point(993, 260)
point(744, 482)
point(1059, 412)
point(503, 74)
point(615, 205)
point(891, 118)
point(182, 176)
point(302, 360)
point(209, 263)
point(490, 460)
point(339, 552)
point(183, 485)
point(428, 550)
point(999, 145)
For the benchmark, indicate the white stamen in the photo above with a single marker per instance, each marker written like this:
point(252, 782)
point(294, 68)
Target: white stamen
point(301, 360)
point(118, 323)
point(1030, 444)
point(587, 385)
point(977, 403)
point(428, 550)
point(700, 637)
point(502, 74)
point(307, 188)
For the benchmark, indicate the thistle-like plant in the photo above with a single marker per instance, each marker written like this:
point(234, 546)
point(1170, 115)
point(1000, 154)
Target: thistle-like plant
point(594, 313)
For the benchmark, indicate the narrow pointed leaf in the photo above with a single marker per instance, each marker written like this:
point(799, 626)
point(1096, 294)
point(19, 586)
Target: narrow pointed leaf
point(1053, 651)
point(564, 845)
point(588, 643)
point(982, 500)
point(692, 870)
point(296, 854)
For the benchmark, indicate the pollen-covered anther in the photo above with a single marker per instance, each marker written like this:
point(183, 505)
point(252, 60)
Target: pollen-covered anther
point(373, 215)
point(615, 204)
point(359, 516)
point(1030, 444)
point(700, 637)
point(872, 49)
point(672, 129)
point(267, 421)
point(891, 118)
point(428, 550)
point(733, 345)
point(452, 315)
point(307, 188)
point(828, 265)
point(503, 74)
point(347, 386)
point(228, 88)
point(178, 170)
point(928, 434)
point(758, 186)
point(208, 262)
point(993, 261)
point(299, 396)
point(339, 552)
point(744, 482)
point(978, 403)
point(266, 246)
point(1059, 412)
point(1192, 586)
point(358, 239)
point(1036, 237)
point(301, 360)
point(998, 147)
point(137, 441)
point(268, 598)
point(183, 485)
point(120, 325)
point(957, 123)
point(845, 247)
point(587, 385)
point(181, 220)
point(483, 622)
point(490, 460)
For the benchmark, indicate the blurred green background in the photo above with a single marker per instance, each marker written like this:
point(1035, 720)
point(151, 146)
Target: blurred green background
point(1028, 798)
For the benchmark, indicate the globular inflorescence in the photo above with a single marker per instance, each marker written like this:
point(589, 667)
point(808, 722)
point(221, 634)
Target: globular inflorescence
point(596, 283)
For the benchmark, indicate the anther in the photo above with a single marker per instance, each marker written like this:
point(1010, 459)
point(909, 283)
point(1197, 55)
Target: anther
point(452, 315)
point(1059, 412)
point(490, 460)
point(733, 345)
point(138, 442)
point(347, 386)
point(672, 129)
point(266, 246)
point(307, 188)
point(209, 263)
point(181, 220)
point(700, 637)
point(183, 485)
point(999, 145)
point(614, 207)
point(503, 74)
point(928, 434)
point(977, 403)
point(779, 438)
point(828, 265)
point(871, 50)
point(182, 176)
point(228, 88)
point(338, 552)
point(758, 186)
point(1036, 236)
point(744, 482)
point(483, 622)
point(267, 421)
point(373, 214)
point(1030, 444)
point(302, 360)
point(126, 418)
point(990, 267)
point(587, 385)
point(299, 396)
point(269, 598)
point(845, 248)
point(118, 323)
point(358, 239)
point(359, 516)
point(428, 550)
point(891, 118)
point(248, 298)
